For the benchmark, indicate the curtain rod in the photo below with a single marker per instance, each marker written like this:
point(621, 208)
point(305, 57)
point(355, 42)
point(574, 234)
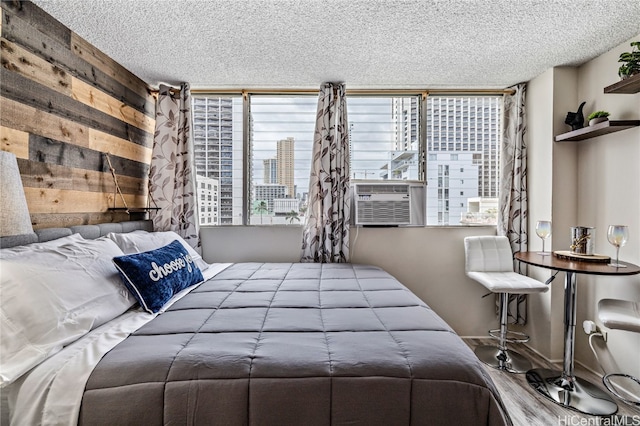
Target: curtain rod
point(474, 91)
point(359, 91)
point(156, 91)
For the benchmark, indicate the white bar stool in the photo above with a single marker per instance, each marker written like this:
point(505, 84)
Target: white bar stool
point(620, 315)
point(489, 261)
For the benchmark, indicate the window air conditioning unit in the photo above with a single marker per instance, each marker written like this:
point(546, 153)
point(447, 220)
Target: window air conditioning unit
point(384, 204)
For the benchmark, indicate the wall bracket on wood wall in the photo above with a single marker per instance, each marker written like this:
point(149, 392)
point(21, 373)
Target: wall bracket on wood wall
point(127, 209)
point(134, 210)
point(115, 182)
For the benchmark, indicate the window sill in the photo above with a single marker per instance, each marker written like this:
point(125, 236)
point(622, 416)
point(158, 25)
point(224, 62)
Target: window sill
point(353, 226)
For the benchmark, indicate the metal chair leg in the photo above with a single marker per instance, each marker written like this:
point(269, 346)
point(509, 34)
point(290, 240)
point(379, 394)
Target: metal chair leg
point(501, 357)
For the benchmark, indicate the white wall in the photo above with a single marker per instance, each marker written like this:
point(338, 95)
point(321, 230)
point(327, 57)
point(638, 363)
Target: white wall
point(609, 193)
point(430, 261)
point(595, 182)
point(564, 200)
point(539, 109)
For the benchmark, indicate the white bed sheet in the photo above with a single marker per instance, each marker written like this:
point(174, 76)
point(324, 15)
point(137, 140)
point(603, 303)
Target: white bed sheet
point(51, 393)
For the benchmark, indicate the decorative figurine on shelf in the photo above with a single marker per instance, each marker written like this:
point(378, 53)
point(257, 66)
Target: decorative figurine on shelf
point(575, 119)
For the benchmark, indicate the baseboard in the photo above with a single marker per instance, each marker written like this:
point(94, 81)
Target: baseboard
point(475, 337)
point(589, 369)
point(621, 390)
point(628, 394)
point(559, 361)
point(551, 361)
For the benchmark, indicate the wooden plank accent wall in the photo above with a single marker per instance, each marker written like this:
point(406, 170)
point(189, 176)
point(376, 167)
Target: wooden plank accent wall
point(65, 104)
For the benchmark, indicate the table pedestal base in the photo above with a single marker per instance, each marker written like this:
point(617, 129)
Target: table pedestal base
point(576, 394)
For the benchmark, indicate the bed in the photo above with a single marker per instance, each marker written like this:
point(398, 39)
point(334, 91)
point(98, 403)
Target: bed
point(254, 343)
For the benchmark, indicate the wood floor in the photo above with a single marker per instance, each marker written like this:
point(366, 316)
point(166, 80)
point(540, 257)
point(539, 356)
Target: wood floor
point(528, 408)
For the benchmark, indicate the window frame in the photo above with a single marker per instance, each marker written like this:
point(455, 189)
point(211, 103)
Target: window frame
point(423, 154)
point(247, 151)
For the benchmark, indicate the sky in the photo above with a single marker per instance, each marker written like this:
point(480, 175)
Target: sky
point(277, 117)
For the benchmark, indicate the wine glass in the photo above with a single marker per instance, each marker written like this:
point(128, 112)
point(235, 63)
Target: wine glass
point(543, 230)
point(618, 236)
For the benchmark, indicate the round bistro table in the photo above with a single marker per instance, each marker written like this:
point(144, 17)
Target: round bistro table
point(563, 387)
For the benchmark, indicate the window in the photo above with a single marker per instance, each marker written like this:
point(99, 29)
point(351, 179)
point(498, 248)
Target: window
point(467, 128)
point(218, 154)
point(384, 137)
point(281, 143)
point(461, 153)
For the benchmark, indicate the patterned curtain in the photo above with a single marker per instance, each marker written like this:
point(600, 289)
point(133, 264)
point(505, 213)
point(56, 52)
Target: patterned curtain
point(325, 237)
point(171, 175)
point(513, 210)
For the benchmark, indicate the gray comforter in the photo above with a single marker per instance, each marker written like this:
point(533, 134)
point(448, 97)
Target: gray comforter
point(299, 344)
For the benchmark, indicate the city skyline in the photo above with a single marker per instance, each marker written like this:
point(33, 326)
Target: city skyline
point(384, 135)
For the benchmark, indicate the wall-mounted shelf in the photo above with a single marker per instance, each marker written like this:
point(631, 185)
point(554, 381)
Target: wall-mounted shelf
point(628, 85)
point(609, 126)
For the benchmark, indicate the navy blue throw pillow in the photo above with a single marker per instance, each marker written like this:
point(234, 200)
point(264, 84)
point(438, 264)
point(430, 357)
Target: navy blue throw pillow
point(153, 277)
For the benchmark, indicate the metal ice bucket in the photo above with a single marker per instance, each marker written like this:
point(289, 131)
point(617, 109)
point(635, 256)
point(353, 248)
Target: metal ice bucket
point(583, 240)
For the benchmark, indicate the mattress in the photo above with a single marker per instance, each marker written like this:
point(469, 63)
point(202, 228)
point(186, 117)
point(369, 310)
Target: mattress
point(280, 344)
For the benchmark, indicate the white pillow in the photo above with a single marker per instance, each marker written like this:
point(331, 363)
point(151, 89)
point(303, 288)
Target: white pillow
point(51, 297)
point(140, 241)
point(7, 253)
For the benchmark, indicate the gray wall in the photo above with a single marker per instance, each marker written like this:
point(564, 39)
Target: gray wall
point(430, 261)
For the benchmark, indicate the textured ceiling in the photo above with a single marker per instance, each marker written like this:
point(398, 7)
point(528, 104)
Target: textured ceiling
point(365, 43)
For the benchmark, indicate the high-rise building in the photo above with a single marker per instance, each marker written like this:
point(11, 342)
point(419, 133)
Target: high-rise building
point(403, 157)
point(285, 165)
point(404, 114)
point(402, 165)
point(462, 149)
point(270, 170)
point(463, 134)
point(217, 154)
point(208, 196)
